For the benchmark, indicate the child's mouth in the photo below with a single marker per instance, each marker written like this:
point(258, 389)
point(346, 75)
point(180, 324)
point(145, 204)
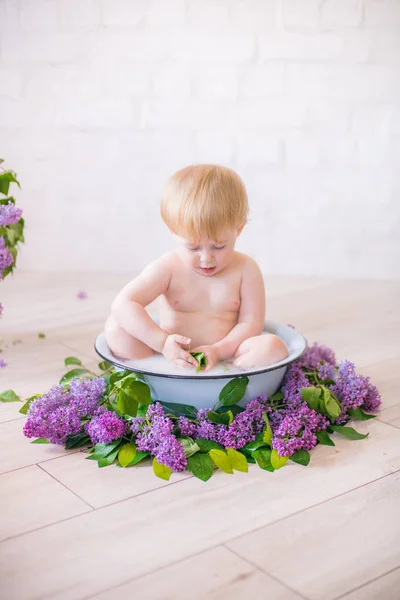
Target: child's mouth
point(208, 270)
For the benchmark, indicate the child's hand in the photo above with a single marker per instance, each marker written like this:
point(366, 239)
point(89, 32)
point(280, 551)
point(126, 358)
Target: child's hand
point(177, 355)
point(211, 354)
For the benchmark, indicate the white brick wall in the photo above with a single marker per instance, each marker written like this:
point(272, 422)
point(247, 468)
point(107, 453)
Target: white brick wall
point(100, 100)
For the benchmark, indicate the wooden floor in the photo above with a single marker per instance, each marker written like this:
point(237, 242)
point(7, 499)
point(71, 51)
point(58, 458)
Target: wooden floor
point(70, 530)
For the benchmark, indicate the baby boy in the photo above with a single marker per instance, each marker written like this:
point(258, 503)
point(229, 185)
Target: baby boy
point(212, 297)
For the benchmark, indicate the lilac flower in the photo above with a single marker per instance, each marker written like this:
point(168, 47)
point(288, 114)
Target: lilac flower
point(372, 400)
point(57, 414)
point(293, 381)
point(171, 453)
point(326, 371)
point(246, 425)
point(187, 427)
point(82, 295)
point(9, 214)
point(6, 258)
point(354, 390)
point(154, 434)
point(297, 431)
point(106, 427)
point(2, 364)
point(315, 354)
point(86, 394)
point(210, 431)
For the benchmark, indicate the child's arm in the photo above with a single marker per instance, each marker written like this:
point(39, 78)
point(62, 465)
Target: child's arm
point(251, 313)
point(128, 307)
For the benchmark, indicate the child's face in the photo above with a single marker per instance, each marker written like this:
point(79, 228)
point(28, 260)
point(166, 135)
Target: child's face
point(207, 257)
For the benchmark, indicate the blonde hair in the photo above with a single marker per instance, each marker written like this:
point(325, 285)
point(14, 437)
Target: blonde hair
point(204, 200)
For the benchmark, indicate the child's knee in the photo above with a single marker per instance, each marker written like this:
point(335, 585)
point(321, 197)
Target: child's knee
point(277, 347)
point(124, 345)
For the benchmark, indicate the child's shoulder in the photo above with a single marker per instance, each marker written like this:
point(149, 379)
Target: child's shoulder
point(246, 262)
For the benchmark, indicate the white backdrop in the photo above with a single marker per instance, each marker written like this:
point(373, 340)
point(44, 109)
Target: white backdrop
point(100, 100)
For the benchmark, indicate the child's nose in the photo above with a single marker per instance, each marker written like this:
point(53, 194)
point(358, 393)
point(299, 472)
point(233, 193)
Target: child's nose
point(206, 256)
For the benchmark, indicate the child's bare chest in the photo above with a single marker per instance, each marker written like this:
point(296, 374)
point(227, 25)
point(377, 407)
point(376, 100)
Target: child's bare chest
point(215, 295)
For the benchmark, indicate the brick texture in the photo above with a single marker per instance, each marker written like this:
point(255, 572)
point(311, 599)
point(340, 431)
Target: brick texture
point(100, 100)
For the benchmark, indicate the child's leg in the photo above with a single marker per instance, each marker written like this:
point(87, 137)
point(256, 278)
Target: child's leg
point(260, 351)
point(123, 344)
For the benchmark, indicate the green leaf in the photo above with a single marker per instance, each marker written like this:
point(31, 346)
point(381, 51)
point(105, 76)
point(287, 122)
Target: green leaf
point(24, 409)
point(180, 410)
point(76, 440)
point(359, 414)
point(234, 409)
point(139, 456)
point(301, 457)
point(323, 438)
point(277, 397)
point(5, 179)
point(105, 461)
point(9, 396)
point(238, 460)
point(233, 391)
point(104, 365)
point(126, 454)
point(41, 336)
point(254, 445)
point(101, 450)
point(349, 432)
point(312, 395)
point(201, 359)
point(73, 373)
point(219, 419)
point(189, 445)
point(207, 445)
point(267, 433)
point(278, 461)
point(162, 471)
point(201, 465)
point(127, 404)
point(138, 390)
point(142, 410)
point(331, 403)
point(221, 459)
point(72, 360)
point(250, 458)
point(7, 201)
point(263, 458)
point(118, 375)
point(40, 441)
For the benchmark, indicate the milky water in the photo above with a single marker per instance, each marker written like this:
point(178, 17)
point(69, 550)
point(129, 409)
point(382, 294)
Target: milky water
point(158, 364)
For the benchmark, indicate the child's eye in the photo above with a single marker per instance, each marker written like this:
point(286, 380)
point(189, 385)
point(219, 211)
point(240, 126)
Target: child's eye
point(219, 247)
point(192, 249)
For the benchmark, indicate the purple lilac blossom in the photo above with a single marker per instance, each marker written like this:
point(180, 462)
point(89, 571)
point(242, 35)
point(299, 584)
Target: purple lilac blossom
point(353, 390)
point(9, 214)
point(82, 295)
point(153, 434)
point(326, 371)
point(246, 425)
point(47, 420)
point(293, 381)
point(210, 431)
point(6, 258)
point(297, 431)
point(315, 354)
point(187, 427)
point(2, 364)
point(106, 428)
